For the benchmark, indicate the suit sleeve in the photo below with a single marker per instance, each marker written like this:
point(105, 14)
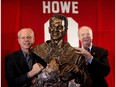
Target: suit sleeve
point(12, 77)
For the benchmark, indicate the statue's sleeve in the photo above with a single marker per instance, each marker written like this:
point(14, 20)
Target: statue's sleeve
point(75, 69)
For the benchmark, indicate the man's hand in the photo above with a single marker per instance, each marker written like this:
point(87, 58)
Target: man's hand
point(84, 52)
point(37, 68)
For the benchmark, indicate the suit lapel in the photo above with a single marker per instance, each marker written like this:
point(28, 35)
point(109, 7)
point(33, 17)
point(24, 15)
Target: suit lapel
point(94, 51)
point(23, 64)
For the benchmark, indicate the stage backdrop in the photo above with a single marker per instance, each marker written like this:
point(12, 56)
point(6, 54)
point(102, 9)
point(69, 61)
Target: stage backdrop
point(98, 14)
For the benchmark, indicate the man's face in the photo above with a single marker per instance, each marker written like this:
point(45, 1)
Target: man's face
point(26, 39)
point(85, 36)
point(57, 30)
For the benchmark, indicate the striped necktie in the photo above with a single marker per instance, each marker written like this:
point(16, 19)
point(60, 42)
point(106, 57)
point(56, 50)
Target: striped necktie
point(88, 49)
point(29, 60)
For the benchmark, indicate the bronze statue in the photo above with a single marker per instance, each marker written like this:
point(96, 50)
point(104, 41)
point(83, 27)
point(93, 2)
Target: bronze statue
point(64, 63)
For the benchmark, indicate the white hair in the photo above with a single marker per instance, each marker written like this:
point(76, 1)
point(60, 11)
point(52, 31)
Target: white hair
point(25, 29)
point(85, 27)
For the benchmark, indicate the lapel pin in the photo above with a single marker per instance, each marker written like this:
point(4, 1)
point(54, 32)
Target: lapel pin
point(93, 53)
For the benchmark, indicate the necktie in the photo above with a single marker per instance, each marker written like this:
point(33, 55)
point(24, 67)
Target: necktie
point(88, 49)
point(29, 60)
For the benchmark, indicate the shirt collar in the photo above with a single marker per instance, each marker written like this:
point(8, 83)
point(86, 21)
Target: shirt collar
point(25, 54)
point(90, 47)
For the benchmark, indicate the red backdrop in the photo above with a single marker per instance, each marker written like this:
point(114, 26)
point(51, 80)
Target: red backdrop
point(98, 14)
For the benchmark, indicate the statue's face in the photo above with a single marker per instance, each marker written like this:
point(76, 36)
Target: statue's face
point(57, 29)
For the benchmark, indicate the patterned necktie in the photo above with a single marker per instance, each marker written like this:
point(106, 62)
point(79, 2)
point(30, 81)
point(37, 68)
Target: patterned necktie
point(29, 60)
point(88, 49)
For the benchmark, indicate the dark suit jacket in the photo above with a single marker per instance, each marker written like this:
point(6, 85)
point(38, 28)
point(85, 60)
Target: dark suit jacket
point(16, 69)
point(99, 68)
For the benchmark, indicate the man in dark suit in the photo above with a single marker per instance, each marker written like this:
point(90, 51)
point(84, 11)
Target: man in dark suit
point(96, 57)
point(22, 66)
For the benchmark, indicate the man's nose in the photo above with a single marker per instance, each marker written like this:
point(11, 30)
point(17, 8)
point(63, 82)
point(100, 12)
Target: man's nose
point(85, 35)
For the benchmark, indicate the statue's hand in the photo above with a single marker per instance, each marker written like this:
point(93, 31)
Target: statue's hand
point(71, 68)
point(52, 66)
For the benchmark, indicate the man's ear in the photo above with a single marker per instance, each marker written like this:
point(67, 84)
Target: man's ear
point(18, 40)
point(33, 40)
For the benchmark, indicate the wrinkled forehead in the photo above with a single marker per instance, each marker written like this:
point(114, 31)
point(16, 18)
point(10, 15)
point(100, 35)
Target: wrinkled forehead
point(56, 21)
point(85, 30)
point(25, 32)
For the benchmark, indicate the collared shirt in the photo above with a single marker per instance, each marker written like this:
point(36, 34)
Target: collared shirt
point(89, 60)
point(90, 47)
point(73, 84)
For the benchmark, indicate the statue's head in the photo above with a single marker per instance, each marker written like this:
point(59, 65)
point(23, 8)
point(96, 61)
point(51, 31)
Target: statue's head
point(58, 25)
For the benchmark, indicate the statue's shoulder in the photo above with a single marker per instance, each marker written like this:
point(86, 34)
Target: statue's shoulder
point(41, 49)
point(69, 49)
point(71, 52)
point(38, 47)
